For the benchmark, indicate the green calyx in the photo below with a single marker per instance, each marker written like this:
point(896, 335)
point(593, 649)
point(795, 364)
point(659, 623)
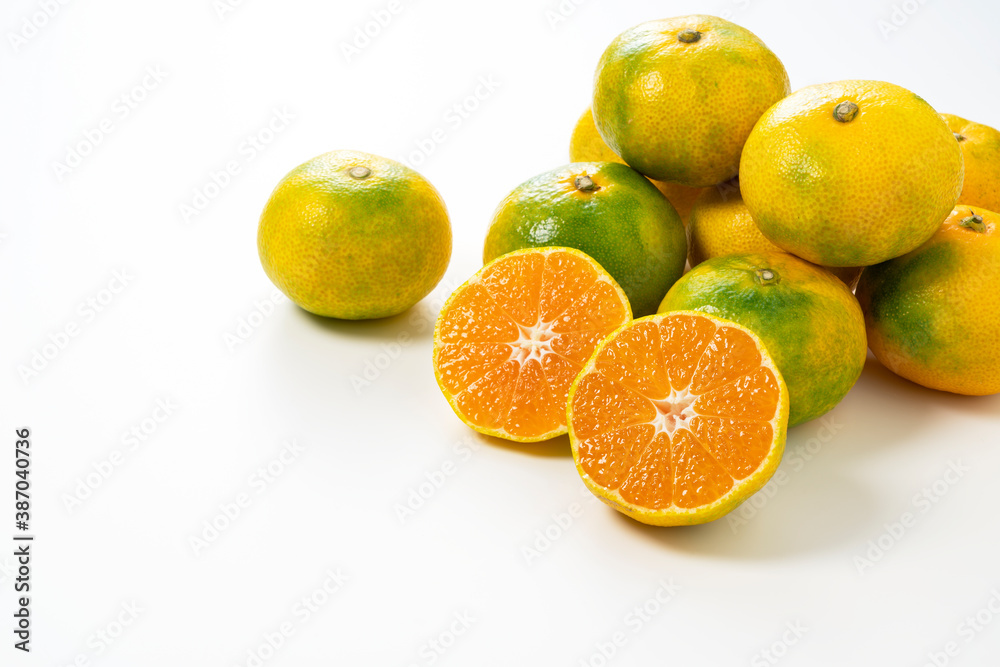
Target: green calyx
point(359, 173)
point(585, 184)
point(974, 222)
point(845, 111)
point(766, 277)
point(689, 36)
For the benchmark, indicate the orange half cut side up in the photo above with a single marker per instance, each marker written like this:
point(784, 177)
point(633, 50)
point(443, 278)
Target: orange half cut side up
point(510, 341)
point(678, 418)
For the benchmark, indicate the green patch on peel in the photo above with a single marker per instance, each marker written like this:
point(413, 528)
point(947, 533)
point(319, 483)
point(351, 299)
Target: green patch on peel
point(819, 365)
point(898, 306)
point(629, 227)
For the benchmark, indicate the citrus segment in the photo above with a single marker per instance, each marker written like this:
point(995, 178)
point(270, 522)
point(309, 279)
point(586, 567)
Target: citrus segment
point(730, 356)
point(737, 445)
point(654, 488)
point(611, 471)
point(599, 396)
point(637, 362)
point(698, 478)
point(510, 341)
point(678, 418)
point(752, 396)
point(686, 340)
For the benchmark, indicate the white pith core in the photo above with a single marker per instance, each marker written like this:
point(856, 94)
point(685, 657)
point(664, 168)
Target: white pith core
point(534, 342)
point(673, 412)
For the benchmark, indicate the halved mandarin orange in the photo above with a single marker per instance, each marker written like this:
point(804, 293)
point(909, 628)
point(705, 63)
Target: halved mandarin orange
point(509, 342)
point(678, 418)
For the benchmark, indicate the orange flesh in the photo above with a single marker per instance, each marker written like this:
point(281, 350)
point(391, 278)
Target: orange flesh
point(675, 411)
point(512, 341)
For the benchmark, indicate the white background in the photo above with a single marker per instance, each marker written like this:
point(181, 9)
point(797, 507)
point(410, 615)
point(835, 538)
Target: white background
point(192, 286)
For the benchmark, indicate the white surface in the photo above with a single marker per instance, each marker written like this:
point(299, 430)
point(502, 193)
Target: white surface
point(335, 506)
